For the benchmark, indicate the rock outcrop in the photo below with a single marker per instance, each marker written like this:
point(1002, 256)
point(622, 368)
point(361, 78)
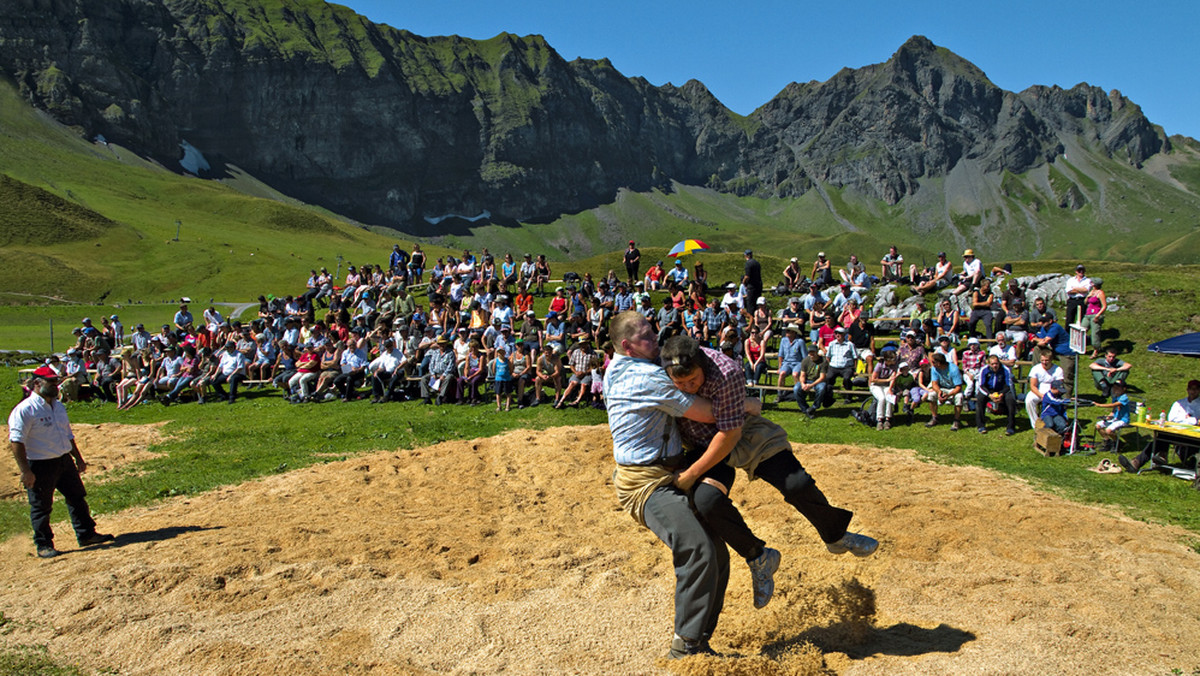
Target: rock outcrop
point(394, 128)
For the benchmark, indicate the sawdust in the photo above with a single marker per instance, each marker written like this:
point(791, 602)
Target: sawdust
point(105, 447)
point(510, 554)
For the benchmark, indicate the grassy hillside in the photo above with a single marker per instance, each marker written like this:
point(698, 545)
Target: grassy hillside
point(87, 222)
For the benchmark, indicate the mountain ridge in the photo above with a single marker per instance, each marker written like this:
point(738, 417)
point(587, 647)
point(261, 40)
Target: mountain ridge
point(392, 128)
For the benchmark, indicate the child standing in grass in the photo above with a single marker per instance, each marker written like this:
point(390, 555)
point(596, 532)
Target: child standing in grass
point(502, 367)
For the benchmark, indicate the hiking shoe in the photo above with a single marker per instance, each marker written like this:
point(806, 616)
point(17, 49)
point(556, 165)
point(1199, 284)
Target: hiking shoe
point(1009, 432)
point(887, 424)
point(681, 648)
point(859, 545)
point(47, 552)
point(1127, 464)
point(762, 575)
point(95, 539)
point(879, 426)
point(981, 430)
point(954, 426)
point(932, 422)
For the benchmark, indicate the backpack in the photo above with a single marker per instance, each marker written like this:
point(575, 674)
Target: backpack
point(866, 413)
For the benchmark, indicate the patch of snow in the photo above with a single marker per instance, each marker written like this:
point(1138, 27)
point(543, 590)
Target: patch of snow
point(193, 160)
point(483, 215)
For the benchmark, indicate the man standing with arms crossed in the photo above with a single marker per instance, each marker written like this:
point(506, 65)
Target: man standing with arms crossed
point(751, 280)
point(642, 403)
point(44, 448)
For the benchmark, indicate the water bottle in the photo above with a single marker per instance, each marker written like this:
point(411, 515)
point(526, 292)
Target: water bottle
point(1141, 413)
point(1162, 417)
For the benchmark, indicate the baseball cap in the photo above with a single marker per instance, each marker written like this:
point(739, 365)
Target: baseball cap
point(794, 259)
point(941, 254)
point(45, 372)
point(839, 330)
point(972, 341)
point(631, 241)
point(1080, 267)
point(748, 252)
point(820, 254)
point(762, 301)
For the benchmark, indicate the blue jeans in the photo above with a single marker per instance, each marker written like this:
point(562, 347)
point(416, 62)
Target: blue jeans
point(817, 393)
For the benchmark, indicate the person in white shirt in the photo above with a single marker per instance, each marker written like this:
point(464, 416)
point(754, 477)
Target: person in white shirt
point(731, 297)
point(1004, 350)
point(48, 459)
point(1185, 411)
point(1040, 378)
point(1077, 288)
point(972, 273)
point(231, 368)
point(387, 372)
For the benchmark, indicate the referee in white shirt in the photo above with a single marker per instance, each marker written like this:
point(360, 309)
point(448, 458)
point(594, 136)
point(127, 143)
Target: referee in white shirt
point(46, 455)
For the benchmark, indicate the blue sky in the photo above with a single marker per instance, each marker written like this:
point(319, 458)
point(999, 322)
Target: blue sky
point(745, 52)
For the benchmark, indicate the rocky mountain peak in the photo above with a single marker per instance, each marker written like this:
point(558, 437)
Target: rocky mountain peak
point(394, 128)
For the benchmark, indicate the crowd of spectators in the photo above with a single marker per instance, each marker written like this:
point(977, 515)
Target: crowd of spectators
point(462, 329)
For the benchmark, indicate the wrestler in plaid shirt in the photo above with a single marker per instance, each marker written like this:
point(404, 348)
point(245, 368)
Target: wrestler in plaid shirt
point(725, 385)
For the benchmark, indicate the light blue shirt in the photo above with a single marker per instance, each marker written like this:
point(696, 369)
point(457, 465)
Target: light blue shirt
point(792, 351)
point(642, 404)
point(949, 379)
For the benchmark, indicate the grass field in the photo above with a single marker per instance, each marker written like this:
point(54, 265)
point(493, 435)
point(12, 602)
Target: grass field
point(216, 445)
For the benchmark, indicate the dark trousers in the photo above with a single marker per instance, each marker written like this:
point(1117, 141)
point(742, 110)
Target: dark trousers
point(383, 385)
point(787, 475)
point(61, 474)
point(986, 317)
point(107, 389)
point(1075, 308)
point(468, 388)
point(700, 559)
point(233, 380)
point(846, 373)
point(347, 384)
point(1009, 401)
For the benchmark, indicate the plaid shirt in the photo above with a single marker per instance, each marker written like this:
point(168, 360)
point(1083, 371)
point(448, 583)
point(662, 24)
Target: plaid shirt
point(581, 360)
point(725, 385)
point(971, 360)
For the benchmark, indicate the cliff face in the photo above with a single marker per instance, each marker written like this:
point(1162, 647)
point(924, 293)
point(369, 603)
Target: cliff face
point(391, 127)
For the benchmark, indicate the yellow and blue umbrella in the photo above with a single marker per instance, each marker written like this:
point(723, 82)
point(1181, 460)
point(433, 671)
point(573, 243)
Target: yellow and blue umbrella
point(687, 246)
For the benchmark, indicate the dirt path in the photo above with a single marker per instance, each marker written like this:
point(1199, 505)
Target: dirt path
point(510, 555)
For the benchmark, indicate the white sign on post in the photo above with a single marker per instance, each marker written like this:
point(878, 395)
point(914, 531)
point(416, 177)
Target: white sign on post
point(1078, 338)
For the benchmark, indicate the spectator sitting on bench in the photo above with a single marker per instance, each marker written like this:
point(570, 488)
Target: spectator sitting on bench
point(792, 352)
point(1110, 425)
point(995, 385)
point(941, 277)
point(1041, 376)
point(813, 381)
point(1054, 407)
point(1185, 411)
point(946, 387)
point(843, 357)
point(1109, 370)
point(911, 351)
